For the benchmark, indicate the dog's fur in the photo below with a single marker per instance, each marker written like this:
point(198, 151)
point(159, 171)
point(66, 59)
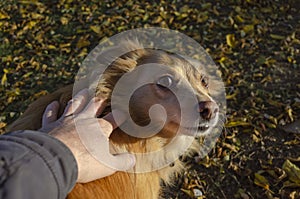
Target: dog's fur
point(122, 184)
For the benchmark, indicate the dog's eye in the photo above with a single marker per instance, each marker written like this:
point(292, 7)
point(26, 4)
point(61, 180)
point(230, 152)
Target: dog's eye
point(204, 82)
point(165, 81)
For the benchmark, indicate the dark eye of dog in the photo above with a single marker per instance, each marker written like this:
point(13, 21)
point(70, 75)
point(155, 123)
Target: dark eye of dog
point(165, 81)
point(204, 82)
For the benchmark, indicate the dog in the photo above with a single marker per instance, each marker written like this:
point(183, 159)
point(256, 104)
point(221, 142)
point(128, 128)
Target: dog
point(169, 73)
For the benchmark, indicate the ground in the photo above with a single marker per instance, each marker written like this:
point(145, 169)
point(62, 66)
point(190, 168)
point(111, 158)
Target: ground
point(255, 44)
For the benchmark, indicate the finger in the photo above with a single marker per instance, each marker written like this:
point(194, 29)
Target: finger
point(77, 103)
point(123, 162)
point(115, 118)
point(50, 114)
point(94, 107)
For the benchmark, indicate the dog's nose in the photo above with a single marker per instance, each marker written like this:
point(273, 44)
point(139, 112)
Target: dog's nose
point(208, 109)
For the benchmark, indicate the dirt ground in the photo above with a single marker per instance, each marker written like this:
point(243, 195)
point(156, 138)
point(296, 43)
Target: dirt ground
point(256, 45)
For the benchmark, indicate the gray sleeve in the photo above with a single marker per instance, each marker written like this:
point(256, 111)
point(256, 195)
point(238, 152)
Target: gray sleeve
point(35, 165)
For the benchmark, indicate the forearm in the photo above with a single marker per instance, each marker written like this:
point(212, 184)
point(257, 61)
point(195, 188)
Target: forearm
point(35, 165)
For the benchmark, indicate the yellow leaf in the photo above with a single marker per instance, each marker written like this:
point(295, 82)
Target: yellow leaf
point(40, 37)
point(239, 19)
point(17, 91)
point(83, 53)
point(51, 46)
point(261, 181)
point(65, 45)
point(64, 20)
point(237, 123)
point(36, 16)
point(223, 59)
point(159, 19)
point(291, 60)
point(10, 99)
point(270, 125)
point(188, 192)
point(230, 40)
point(2, 125)
point(41, 93)
point(27, 74)
point(290, 114)
point(82, 42)
point(67, 50)
point(255, 138)
point(30, 24)
point(29, 1)
point(290, 184)
point(232, 96)
point(248, 28)
point(96, 29)
point(4, 15)
point(292, 171)
point(277, 37)
point(292, 142)
point(4, 79)
point(231, 147)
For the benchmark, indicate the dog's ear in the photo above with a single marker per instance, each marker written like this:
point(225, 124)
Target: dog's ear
point(119, 60)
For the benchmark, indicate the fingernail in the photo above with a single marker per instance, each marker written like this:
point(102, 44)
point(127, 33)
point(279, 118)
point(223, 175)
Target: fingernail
point(53, 104)
point(70, 101)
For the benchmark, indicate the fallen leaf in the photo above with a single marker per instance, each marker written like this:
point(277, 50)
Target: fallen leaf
point(2, 124)
point(188, 192)
point(4, 15)
point(4, 79)
point(64, 20)
point(278, 37)
point(237, 123)
point(248, 28)
point(96, 29)
point(82, 42)
point(230, 40)
point(292, 171)
point(261, 181)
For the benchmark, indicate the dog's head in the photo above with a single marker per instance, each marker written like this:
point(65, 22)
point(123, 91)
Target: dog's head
point(162, 75)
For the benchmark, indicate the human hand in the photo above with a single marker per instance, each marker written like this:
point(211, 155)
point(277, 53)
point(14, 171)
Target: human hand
point(87, 136)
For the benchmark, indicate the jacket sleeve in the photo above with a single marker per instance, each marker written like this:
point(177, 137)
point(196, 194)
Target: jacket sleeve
point(35, 165)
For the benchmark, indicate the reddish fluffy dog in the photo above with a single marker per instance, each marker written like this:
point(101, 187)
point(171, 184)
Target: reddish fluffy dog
point(141, 185)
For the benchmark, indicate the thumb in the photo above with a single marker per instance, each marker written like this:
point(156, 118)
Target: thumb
point(123, 161)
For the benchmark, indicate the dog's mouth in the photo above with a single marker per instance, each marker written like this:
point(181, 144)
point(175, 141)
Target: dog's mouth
point(201, 129)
